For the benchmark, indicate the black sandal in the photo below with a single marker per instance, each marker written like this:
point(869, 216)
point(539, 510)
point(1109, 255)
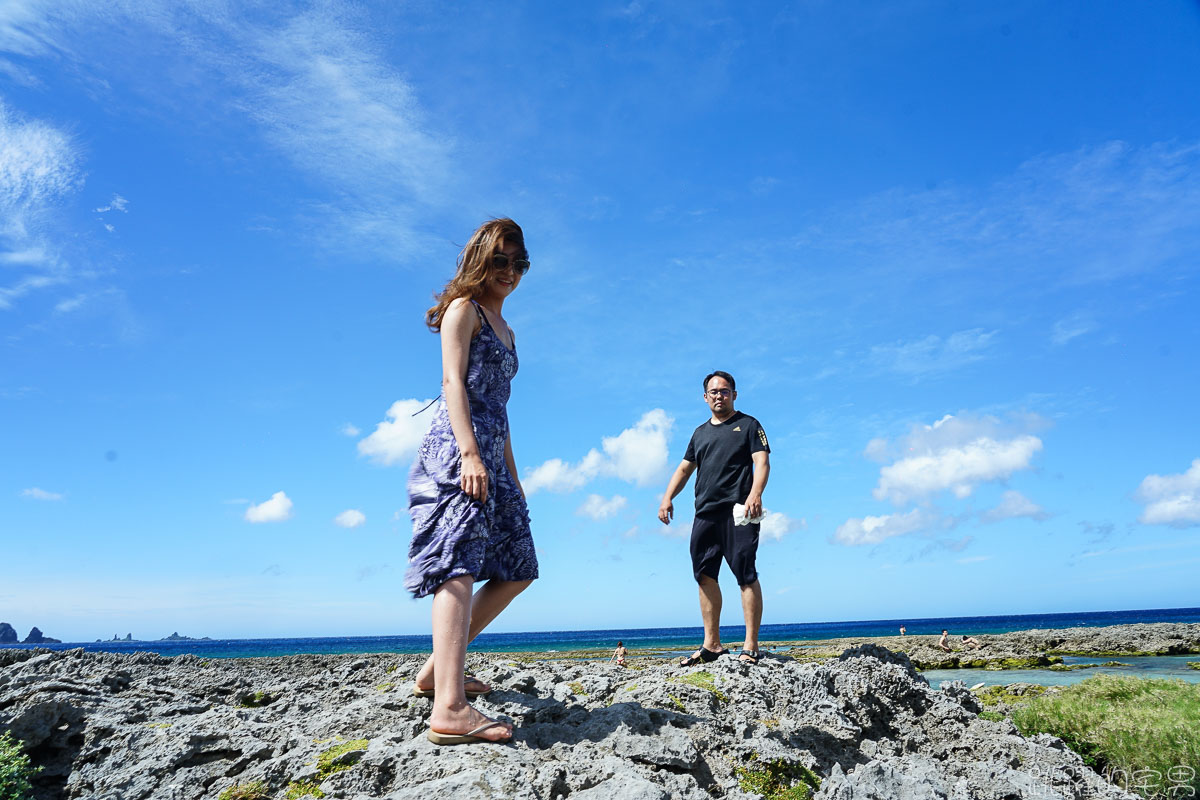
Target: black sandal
point(703, 655)
point(748, 656)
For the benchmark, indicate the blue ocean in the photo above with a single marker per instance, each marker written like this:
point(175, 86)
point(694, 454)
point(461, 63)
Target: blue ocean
point(662, 639)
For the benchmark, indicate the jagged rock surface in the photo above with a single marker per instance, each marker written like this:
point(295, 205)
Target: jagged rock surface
point(140, 726)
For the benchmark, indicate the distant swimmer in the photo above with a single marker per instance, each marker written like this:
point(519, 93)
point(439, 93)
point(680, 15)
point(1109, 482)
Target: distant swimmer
point(619, 655)
point(903, 630)
point(942, 643)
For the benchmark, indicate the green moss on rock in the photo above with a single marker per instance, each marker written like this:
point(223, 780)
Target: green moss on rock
point(252, 790)
point(327, 762)
point(777, 780)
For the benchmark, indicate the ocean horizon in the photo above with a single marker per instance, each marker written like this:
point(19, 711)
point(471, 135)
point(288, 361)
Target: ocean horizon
point(663, 639)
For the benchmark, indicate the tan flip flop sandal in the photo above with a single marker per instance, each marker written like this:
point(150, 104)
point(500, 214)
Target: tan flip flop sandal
point(467, 738)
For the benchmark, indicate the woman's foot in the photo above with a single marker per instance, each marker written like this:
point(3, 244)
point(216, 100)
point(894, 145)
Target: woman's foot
point(468, 721)
point(424, 680)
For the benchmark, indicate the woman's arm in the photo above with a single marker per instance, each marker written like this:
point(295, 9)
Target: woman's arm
point(458, 328)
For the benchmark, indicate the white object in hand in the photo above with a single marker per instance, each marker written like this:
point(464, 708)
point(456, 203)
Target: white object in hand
point(740, 518)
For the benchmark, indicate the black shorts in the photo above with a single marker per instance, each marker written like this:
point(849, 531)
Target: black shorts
point(714, 536)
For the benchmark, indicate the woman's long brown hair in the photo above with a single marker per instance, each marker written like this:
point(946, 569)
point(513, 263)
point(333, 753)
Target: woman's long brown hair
point(473, 264)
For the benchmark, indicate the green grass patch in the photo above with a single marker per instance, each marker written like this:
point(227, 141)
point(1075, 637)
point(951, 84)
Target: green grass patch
point(677, 704)
point(253, 790)
point(299, 789)
point(577, 689)
point(1143, 735)
point(995, 695)
point(704, 680)
point(386, 686)
point(16, 771)
point(778, 779)
point(993, 716)
point(256, 699)
point(1194, 664)
point(325, 761)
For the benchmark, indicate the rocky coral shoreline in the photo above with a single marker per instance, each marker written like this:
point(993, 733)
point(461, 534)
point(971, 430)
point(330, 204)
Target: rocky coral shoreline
point(1019, 649)
point(862, 725)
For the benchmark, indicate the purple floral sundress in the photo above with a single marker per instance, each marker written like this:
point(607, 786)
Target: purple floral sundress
point(453, 534)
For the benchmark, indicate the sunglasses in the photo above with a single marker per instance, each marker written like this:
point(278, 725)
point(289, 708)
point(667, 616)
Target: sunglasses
point(501, 262)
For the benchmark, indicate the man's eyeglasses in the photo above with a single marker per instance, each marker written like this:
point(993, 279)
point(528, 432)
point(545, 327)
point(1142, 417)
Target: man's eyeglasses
point(714, 393)
point(501, 262)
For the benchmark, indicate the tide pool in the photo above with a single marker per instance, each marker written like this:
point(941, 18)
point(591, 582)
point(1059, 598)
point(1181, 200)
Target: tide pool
point(1139, 667)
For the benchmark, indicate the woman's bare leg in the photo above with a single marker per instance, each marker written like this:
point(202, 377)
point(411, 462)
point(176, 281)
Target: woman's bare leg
point(492, 598)
point(451, 625)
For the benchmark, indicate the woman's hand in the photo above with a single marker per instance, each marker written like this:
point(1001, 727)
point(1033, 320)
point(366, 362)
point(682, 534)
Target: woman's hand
point(474, 477)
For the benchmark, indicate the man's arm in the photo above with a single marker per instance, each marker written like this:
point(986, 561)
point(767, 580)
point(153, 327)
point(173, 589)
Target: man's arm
point(762, 469)
point(666, 509)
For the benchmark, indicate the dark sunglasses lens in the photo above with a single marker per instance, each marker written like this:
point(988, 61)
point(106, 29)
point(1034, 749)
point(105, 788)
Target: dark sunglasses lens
point(499, 262)
point(521, 266)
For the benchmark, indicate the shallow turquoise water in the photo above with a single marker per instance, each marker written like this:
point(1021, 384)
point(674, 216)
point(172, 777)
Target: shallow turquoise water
point(1139, 666)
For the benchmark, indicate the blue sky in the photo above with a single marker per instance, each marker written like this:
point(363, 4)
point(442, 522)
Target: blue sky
point(951, 254)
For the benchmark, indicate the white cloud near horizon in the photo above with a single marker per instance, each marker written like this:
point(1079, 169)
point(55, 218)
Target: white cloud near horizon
point(277, 509)
point(775, 525)
point(41, 494)
point(954, 454)
point(350, 518)
point(599, 508)
point(1171, 499)
point(875, 529)
point(636, 455)
point(395, 440)
point(1014, 505)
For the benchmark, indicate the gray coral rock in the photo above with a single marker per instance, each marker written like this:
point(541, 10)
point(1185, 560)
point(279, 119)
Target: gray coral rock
point(139, 726)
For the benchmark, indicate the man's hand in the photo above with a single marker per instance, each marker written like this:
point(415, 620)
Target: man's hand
point(474, 478)
point(666, 511)
point(754, 506)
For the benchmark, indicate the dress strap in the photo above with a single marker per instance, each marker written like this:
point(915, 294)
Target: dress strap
point(482, 317)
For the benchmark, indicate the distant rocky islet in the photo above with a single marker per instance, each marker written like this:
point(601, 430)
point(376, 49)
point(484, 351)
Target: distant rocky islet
point(8, 635)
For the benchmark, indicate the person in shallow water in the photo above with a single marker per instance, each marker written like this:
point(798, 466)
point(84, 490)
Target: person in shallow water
point(730, 455)
point(470, 519)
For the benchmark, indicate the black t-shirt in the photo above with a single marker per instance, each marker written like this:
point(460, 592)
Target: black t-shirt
point(721, 453)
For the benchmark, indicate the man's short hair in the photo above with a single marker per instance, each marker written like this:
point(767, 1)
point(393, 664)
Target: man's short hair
point(720, 374)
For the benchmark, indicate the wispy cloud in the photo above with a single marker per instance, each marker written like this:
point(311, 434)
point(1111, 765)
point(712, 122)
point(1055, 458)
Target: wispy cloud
point(35, 493)
point(314, 81)
point(1014, 505)
point(875, 529)
point(1071, 327)
point(39, 165)
point(775, 525)
point(933, 354)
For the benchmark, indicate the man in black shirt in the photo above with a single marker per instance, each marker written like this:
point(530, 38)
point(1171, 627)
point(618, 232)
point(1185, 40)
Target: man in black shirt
point(731, 455)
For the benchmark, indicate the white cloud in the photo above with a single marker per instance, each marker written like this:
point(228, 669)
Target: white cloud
point(1014, 505)
point(775, 525)
point(873, 530)
point(955, 454)
point(277, 509)
point(350, 518)
point(1171, 499)
point(932, 353)
point(636, 455)
point(41, 494)
point(350, 430)
point(117, 203)
point(972, 559)
point(598, 508)
point(395, 440)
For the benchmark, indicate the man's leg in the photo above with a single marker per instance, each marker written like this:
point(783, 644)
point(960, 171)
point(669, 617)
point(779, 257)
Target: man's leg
point(710, 612)
point(752, 609)
point(487, 603)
